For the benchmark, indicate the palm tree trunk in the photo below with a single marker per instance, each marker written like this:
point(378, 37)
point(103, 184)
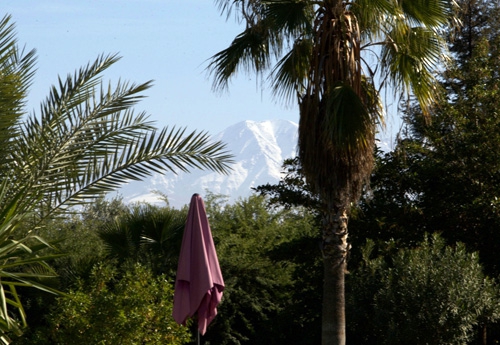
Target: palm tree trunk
point(335, 248)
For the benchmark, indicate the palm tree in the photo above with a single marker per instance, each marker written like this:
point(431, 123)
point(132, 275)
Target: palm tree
point(334, 56)
point(85, 142)
point(146, 234)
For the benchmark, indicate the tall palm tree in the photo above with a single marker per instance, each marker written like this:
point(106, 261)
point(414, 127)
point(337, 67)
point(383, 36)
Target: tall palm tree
point(85, 142)
point(334, 56)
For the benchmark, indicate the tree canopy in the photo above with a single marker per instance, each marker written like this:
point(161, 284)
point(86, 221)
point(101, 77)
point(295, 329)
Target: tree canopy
point(312, 51)
point(85, 142)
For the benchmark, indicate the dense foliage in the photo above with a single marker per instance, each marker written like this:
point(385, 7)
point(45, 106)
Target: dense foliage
point(271, 268)
point(444, 175)
point(115, 305)
point(86, 141)
point(271, 263)
point(147, 234)
point(432, 294)
point(404, 286)
point(321, 55)
point(269, 259)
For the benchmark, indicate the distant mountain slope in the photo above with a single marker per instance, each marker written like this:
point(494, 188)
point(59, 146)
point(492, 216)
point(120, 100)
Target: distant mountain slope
point(259, 149)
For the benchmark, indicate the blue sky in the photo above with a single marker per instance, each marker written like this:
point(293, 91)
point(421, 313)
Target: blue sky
point(162, 40)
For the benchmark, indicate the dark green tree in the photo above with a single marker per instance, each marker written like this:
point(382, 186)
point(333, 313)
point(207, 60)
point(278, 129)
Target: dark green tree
point(445, 175)
point(146, 234)
point(267, 257)
point(292, 189)
point(428, 293)
point(313, 50)
point(431, 294)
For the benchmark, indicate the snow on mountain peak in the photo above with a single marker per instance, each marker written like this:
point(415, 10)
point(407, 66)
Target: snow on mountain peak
point(259, 149)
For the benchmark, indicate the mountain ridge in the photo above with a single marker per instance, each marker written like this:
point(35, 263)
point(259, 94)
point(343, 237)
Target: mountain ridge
point(259, 149)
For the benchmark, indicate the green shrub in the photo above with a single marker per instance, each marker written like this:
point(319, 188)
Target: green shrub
point(434, 294)
point(129, 306)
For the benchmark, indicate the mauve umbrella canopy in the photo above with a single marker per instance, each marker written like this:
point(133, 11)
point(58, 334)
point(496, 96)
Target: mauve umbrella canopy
point(199, 283)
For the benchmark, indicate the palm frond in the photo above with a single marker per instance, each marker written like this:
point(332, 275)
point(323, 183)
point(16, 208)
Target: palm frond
point(163, 226)
point(86, 141)
point(249, 51)
point(239, 7)
point(16, 257)
point(348, 124)
point(411, 59)
point(121, 239)
point(291, 18)
point(76, 89)
point(372, 15)
point(79, 149)
point(102, 166)
point(166, 150)
point(429, 13)
point(16, 73)
point(290, 73)
point(271, 26)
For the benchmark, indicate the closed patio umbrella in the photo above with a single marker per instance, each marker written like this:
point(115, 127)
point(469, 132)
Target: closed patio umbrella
point(199, 283)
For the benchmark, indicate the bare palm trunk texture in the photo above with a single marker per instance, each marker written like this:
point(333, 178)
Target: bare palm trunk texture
point(335, 248)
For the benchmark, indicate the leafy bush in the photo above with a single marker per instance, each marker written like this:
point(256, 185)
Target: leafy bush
point(268, 258)
point(129, 306)
point(433, 294)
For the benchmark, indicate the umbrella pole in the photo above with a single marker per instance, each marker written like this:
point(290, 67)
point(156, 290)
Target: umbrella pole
point(198, 332)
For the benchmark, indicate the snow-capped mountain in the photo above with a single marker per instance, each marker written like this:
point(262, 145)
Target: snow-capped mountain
point(259, 149)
